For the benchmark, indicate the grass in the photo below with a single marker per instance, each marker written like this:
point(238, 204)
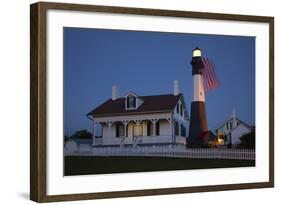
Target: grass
point(83, 165)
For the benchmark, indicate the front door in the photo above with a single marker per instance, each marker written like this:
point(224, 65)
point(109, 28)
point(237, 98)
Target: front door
point(137, 131)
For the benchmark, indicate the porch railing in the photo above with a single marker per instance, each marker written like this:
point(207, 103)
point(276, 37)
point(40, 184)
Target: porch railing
point(138, 140)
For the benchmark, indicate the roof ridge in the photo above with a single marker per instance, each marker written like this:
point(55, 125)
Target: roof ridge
point(153, 103)
point(141, 96)
point(230, 119)
point(160, 95)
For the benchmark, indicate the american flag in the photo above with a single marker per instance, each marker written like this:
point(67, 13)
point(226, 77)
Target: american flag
point(210, 78)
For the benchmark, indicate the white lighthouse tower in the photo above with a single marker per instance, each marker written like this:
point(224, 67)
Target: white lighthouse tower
point(198, 129)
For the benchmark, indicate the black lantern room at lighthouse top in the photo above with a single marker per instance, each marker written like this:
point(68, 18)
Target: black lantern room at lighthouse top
point(196, 62)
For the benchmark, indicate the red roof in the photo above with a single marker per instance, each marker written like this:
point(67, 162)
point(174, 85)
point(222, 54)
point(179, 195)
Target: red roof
point(155, 103)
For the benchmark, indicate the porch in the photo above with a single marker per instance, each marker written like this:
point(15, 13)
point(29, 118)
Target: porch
point(160, 128)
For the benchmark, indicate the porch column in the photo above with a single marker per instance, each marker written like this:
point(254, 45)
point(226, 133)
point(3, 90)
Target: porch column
point(170, 120)
point(154, 121)
point(94, 131)
point(138, 123)
point(125, 123)
point(109, 123)
point(180, 129)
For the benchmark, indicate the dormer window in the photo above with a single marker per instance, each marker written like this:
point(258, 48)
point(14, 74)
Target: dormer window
point(131, 102)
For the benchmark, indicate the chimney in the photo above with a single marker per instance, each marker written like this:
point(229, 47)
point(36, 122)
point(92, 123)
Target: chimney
point(114, 92)
point(176, 87)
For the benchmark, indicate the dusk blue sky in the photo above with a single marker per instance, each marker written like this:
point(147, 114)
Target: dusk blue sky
point(147, 63)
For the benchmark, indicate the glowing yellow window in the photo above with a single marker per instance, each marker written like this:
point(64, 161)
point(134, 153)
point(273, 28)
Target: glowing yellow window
point(137, 130)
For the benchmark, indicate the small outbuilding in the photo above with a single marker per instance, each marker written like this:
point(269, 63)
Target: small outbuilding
point(230, 132)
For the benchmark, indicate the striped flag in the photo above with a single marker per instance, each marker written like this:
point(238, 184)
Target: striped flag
point(209, 75)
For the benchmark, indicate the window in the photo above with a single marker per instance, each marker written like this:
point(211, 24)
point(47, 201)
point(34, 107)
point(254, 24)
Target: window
point(221, 139)
point(181, 109)
point(183, 130)
point(176, 125)
point(120, 131)
point(137, 131)
point(117, 130)
point(131, 101)
point(148, 128)
point(177, 108)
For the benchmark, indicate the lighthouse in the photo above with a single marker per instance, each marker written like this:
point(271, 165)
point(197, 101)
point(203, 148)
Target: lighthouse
point(198, 128)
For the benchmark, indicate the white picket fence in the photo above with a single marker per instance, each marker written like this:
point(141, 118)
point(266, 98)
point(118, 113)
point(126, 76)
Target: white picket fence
point(164, 151)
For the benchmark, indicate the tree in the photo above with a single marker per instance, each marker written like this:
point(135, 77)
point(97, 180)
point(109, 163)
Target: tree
point(248, 141)
point(82, 134)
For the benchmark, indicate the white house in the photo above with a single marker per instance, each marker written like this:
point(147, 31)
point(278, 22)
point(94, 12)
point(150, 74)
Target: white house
point(232, 130)
point(141, 120)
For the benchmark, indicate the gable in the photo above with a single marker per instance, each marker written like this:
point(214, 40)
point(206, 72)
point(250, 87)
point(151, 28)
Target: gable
point(239, 122)
point(242, 127)
point(180, 108)
point(131, 94)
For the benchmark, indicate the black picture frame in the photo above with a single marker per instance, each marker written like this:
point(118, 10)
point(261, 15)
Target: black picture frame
point(38, 101)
